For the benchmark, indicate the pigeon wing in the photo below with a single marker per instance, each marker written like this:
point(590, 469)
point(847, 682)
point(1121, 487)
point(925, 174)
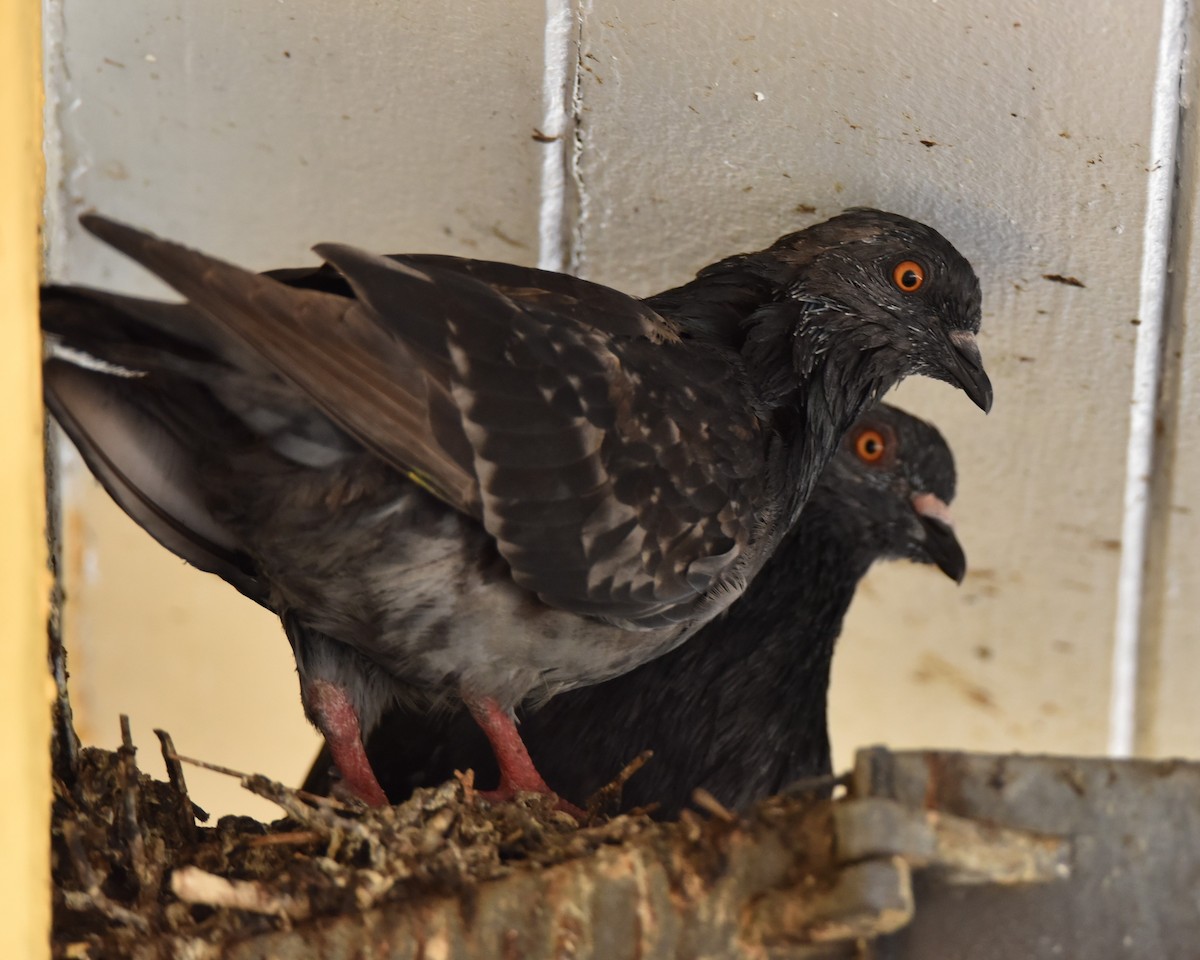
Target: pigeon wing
point(387, 394)
point(613, 471)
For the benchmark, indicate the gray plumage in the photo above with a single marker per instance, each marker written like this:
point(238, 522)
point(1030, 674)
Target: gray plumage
point(740, 709)
point(455, 478)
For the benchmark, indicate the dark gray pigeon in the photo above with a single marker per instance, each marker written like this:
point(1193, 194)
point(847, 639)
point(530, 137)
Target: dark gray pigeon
point(464, 480)
point(740, 709)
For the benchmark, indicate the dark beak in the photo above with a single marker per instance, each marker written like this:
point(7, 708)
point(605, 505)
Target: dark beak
point(966, 369)
point(941, 544)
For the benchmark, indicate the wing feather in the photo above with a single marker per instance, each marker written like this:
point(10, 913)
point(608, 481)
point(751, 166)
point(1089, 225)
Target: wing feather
point(595, 464)
point(365, 380)
point(146, 470)
point(616, 465)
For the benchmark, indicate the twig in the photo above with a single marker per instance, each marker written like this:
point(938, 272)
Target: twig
point(608, 797)
point(292, 838)
point(296, 803)
point(189, 813)
point(92, 898)
point(467, 779)
point(127, 776)
point(82, 901)
point(712, 806)
point(828, 781)
point(193, 885)
point(319, 813)
point(267, 788)
point(329, 803)
point(214, 767)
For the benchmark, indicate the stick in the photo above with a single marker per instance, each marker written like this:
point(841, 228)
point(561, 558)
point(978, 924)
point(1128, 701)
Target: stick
point(193, 885)
point(189, 813)
point(127, 775)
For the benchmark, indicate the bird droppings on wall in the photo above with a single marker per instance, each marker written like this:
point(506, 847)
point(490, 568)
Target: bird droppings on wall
point(1059, 278)
point(932, 668)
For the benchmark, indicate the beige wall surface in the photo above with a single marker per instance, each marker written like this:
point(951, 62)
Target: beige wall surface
point(1021, 130)
point(1005, 126)
point(255, 130)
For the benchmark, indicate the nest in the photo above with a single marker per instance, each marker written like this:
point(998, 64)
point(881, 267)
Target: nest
point(137, 873)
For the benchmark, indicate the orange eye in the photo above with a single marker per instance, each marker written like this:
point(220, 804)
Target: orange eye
point(869, 445)
point(909, 276)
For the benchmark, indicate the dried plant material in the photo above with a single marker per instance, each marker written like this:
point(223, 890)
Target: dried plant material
point(193, 885)
point(712, 806)
point(136, 875)
point(607, 799)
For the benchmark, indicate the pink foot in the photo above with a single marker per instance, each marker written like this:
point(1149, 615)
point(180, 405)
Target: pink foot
point(337, 720)
point(517, 772)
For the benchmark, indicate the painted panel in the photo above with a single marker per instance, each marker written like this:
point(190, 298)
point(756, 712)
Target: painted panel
point(25, 688)
point(709, 128)
point(254, 130)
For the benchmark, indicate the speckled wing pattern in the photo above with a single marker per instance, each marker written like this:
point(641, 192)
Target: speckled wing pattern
point(616, 466)
point(614, 471)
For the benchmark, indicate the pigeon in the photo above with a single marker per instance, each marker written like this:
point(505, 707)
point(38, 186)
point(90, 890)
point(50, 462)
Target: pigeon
point(458, 481)
point(740, 709)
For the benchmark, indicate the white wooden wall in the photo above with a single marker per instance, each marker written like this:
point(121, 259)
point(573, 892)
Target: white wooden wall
point(1040, 138)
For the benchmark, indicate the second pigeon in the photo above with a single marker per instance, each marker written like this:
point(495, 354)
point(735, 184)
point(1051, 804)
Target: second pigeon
point(740, 709)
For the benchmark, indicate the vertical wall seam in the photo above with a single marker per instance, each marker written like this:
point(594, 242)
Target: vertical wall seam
point(1147, 376)
point(556, 132)
point(575, 159)
point(1156, 596)
point(56, 82)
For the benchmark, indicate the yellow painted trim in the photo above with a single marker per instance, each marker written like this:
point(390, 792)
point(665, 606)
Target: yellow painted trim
point(24, 700)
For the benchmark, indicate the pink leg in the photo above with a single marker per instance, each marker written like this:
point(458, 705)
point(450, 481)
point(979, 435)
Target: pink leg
point(337, 720)
point(517, 772)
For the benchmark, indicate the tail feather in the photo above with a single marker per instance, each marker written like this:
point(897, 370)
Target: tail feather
point(145, 469)
point(360, 375)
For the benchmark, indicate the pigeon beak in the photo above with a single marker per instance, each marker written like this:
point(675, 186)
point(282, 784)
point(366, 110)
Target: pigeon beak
point(966, 369)
point(941, 544)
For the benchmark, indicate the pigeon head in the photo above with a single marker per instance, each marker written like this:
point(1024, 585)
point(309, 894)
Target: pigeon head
point(893, 479)
point(835, 315)
point(900, 291)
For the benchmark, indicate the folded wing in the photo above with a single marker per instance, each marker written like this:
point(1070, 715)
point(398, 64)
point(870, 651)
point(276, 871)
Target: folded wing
point(602, 454)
